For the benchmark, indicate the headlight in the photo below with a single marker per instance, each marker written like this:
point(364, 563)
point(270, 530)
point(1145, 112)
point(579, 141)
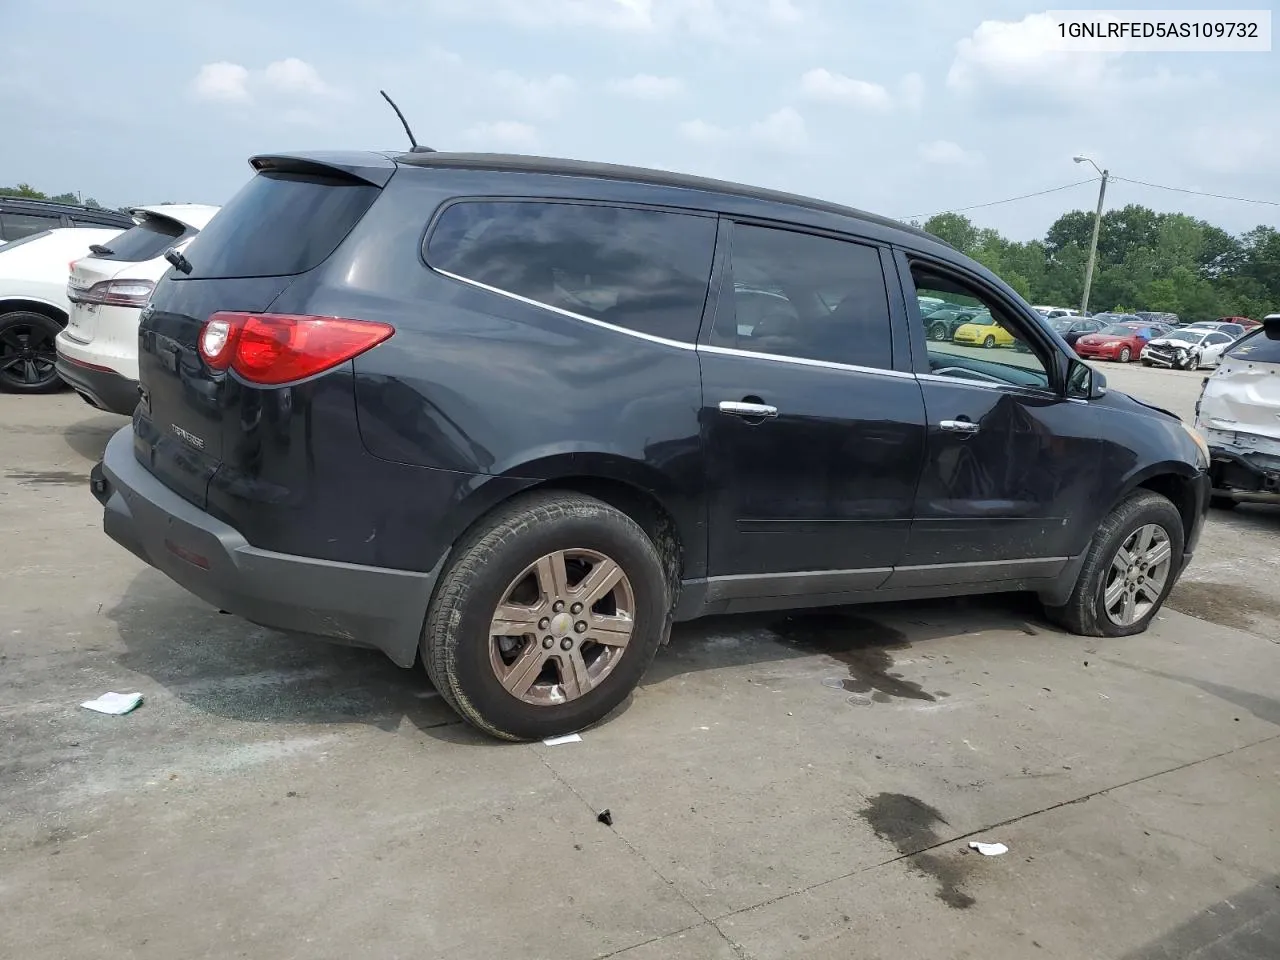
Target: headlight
point(1199, 440)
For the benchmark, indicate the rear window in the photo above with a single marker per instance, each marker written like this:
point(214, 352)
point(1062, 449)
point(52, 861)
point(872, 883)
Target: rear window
point(146, 241)
point(278, 225)
point(1257, 347)
point(644, 270)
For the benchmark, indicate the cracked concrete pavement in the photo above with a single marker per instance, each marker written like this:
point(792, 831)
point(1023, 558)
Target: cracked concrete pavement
point(781, 786)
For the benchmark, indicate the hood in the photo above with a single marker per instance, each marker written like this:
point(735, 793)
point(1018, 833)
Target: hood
point(1171, 342)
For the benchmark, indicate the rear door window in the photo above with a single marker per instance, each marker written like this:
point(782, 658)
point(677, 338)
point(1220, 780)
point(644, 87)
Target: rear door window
point(643, 270)
point(808, 297)
point(1257, 347)
point(15, 226)
point(146, 241)
point(278, 225)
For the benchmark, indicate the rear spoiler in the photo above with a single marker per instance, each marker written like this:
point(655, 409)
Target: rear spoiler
point(371, 168)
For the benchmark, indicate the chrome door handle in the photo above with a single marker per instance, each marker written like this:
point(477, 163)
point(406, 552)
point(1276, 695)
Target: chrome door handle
point(749, 410)
point(959, 426)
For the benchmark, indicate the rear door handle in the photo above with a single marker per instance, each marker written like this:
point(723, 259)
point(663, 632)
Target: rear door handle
point(959, 426)
point(749, 410)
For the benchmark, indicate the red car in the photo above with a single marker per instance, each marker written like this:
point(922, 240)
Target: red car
point(1243, 321)
point(1120, 341)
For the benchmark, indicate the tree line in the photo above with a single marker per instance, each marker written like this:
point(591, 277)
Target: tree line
point(1167, 262)
point(28, 192)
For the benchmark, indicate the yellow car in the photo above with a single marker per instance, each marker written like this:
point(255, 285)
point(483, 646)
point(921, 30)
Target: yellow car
point(984, 332)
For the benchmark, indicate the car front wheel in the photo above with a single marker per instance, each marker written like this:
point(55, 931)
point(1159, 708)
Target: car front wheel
point(989, 342)
point(546, 617)
point(1125, 354)
point(1129, 568)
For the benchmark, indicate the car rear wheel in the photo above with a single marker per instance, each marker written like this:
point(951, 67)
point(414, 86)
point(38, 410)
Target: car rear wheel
point(939, 332)
point(28, 353)
point(1125, 354)
point(1129, 569)
point(989, 342)
point(546, 617)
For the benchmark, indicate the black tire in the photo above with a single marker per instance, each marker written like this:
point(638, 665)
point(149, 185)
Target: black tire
point(939, 332)
point(1146, 363)
point(1224, 503)
point(989, 342)
point(456, 635)
point(27, 353)
point(1084, 614)
point(1125, 354)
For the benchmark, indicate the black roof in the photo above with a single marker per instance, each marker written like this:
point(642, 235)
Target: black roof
point(101, 214)
point(519, 163)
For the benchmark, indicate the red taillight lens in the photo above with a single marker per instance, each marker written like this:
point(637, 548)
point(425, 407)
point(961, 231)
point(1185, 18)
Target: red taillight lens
point(274, 348)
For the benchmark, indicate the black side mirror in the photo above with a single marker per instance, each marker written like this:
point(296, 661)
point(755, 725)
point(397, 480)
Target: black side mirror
point(1271, 327)
point(1084, 382)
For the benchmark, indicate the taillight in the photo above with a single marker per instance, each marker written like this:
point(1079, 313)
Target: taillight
point(114, 293)
point(276, 348)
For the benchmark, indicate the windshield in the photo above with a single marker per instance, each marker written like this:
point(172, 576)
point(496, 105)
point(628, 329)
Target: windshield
point(1188, 336)
point(1118, 330)
point(1062, 324)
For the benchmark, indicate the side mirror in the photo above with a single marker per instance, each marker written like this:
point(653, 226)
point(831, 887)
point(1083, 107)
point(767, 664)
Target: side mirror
point(1085, 383)
point(1271, 327)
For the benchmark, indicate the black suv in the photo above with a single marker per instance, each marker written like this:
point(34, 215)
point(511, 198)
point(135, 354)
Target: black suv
point(21, 217)
point(510, 414)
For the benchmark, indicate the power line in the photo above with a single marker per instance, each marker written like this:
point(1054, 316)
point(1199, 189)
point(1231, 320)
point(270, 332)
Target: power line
point(1197, 193)
point(993, 203)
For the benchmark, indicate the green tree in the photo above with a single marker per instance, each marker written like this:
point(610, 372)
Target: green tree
point(955, 229)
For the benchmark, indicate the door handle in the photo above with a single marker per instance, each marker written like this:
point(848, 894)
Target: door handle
point(749, 410)
point(959, 426)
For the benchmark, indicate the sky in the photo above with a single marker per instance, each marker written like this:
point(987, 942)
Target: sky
point(901, 107)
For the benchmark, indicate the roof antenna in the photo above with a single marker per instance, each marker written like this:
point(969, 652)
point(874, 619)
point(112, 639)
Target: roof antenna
point(413, 144)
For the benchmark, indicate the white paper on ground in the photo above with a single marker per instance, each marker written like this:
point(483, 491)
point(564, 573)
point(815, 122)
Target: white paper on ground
point(114, 703)
point(988, 849)
point(567, 738)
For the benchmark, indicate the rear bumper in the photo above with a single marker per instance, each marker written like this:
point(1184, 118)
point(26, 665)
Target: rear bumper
point(99, 386)
point(1235, 477)
point(346, 603)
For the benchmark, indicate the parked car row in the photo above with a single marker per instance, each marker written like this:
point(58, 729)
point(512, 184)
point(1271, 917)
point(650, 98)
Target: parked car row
point(73, 281)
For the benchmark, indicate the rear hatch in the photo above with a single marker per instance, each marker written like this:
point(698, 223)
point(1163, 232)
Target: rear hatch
point(99, 279)
point(284, 223)
point(1239, 409)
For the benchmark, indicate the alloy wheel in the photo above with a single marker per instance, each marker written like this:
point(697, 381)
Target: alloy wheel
point(1125, 354)
point(562, 627)
point(1137, 576)
point(27, 355)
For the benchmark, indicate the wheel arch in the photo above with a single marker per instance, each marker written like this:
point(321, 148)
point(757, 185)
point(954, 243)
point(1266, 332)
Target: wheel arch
point(1176, 482)
point(45, 307)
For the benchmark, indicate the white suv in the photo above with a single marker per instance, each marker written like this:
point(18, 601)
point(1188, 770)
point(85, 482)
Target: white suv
point(98, 350)
point(33, 303)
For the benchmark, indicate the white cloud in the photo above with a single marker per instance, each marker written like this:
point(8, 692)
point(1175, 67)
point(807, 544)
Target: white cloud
point(1022, 55)
point(947, 153)
point(823, 85)
point(699, 131)
point(645, 86)
point(538, 98)
point(294, 76)
point(223, 81)
point(783, 130)
point(784, 11)
point(911, 91)
point(504, 134)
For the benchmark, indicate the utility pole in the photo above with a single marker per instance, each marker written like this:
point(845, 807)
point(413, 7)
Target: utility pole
point(1093, 244)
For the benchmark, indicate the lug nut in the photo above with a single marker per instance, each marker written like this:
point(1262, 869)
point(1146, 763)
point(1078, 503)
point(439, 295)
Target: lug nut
point(558, 606)
point(576, 608)
point(580, 626)
point(566, 643)
point(548, 642)
point(544, 623)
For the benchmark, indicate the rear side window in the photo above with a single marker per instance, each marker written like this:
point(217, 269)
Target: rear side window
point(809, 297)
point(146, 241)
point(1255, 348)
point(643, 270)
point(278, 225)
point(15, 226)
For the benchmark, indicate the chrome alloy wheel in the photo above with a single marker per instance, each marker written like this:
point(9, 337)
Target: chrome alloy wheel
point(1137, 575)
point(562, 626)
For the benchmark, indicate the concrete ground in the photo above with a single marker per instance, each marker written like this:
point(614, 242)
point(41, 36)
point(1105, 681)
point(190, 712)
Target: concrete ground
point(798, 787)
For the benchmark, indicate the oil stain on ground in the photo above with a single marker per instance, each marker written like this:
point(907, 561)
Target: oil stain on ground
point(911, 825)
point(1228, 604)
point(862, 645)
point(45, 477)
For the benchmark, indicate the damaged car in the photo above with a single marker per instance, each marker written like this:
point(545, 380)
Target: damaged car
point(1186, 349)
point(1238, 415)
